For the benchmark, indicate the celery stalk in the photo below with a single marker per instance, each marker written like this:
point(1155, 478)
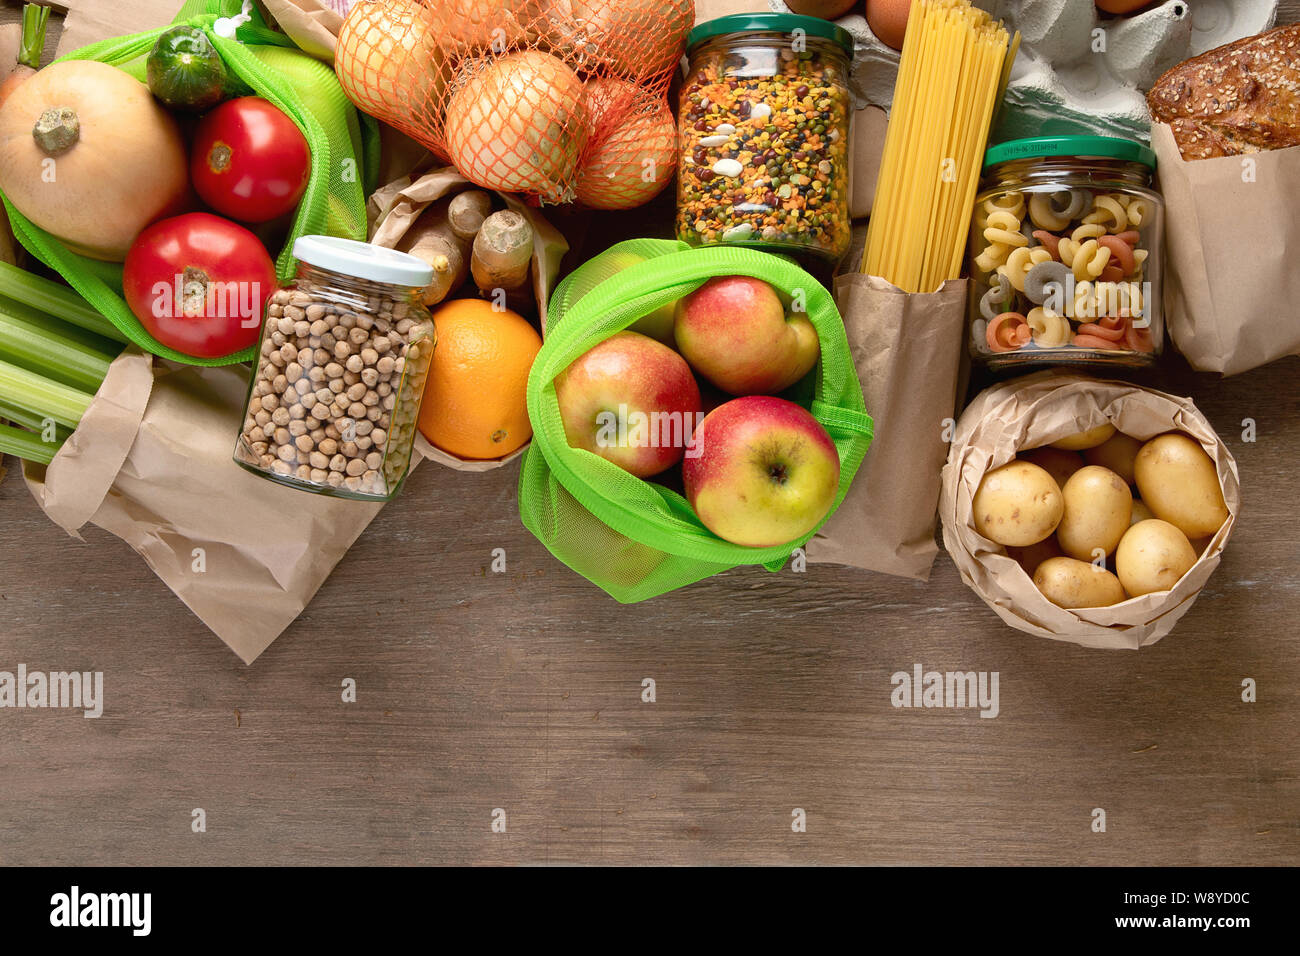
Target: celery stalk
point(56, 300)
point(65, 405)
point(85, 340)
point(44, 349)
point(35, 19)
point(32, 420)
point(35, 421)
point(29, 447)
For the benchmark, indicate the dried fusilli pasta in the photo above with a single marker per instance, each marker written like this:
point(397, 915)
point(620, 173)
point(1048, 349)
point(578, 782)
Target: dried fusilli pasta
point(1020, 261)
point(1090, 230)
point(1108, 211)
point(1086, 259)
point(1043, 215)
point(1005, 228)
point(1139, 210)
point(993, 256)
point(1050, 330)
point(1013, 203)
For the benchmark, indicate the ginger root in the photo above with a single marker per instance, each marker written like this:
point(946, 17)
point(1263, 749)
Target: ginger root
point(502, 252)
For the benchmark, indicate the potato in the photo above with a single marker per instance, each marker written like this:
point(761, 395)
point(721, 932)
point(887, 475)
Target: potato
point(1070, 583)
point(1035, 554)
point(1116, 453)
point(1089, 439)
point(1017, 505)
point(1152, 556)
point(1176, 478)
point(1140, 512)
point(1059, 464)
point(1096, 515)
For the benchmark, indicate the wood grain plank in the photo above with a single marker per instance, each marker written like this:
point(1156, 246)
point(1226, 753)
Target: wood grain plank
point(522, 691)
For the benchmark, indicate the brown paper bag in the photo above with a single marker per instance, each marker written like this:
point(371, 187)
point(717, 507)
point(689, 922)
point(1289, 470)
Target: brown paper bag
point(151, 463)
point(1035, 411)
point(393, 209)
point(312, 24)
point(1232, 226)
point(11, 39)
point(866, 147)
point(907, 349)
point(88, 21)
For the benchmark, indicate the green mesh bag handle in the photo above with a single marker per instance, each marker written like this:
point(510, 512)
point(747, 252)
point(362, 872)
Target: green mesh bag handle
point(343, 152)
point(633, 538)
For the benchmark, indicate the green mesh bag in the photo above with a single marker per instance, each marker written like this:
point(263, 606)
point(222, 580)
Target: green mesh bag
point(634, 538)
point(344, 151)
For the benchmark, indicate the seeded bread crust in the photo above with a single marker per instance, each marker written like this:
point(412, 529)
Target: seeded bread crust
point(1239, 98)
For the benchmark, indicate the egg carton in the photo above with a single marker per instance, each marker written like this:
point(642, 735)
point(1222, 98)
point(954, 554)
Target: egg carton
point(1077, 71)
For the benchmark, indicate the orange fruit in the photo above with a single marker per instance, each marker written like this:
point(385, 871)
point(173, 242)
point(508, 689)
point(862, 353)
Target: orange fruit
point(474, 400)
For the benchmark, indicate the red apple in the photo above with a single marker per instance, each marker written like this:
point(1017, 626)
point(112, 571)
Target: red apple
point(761, 471)
point(632, 401)
point(735, 332)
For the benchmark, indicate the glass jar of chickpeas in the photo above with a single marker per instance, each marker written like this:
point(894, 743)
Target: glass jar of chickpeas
point(1065, 255)
point(763, 128)
point(337, 382)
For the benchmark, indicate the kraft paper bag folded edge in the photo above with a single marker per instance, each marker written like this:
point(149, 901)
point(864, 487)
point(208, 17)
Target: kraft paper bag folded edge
point(173, 494)
point(311, 24)
point(267, 548)
point(1222, 308)
point(73, 485)
point(907, 349)
point(1037, 410)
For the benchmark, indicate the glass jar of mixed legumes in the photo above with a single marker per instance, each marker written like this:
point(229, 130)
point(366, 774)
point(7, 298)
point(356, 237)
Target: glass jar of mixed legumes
point(763, 126)
point(1065, 254)
point(337, 382)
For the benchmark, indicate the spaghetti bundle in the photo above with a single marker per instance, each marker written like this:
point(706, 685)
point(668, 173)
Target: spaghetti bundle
point(954, 67)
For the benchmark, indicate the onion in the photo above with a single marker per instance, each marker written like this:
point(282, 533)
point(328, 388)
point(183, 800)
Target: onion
point(480, 26)
point(641, 39)
point(391, 66)
point(634, 146)
point(517, 124)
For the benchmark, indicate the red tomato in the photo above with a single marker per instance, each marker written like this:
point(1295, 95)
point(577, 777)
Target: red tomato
point(199, 284)
point(249, 162)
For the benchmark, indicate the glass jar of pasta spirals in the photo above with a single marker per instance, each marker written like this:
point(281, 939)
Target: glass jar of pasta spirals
point(1065, 255)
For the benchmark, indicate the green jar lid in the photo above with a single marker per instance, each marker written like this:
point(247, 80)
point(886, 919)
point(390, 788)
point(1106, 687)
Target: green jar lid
point(769, 23)
point(1102, 147)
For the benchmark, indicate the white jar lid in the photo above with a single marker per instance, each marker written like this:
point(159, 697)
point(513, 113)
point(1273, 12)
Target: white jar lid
point(361, 260)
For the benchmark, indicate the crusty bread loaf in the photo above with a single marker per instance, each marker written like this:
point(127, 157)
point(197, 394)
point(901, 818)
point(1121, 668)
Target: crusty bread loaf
point(1239, 98)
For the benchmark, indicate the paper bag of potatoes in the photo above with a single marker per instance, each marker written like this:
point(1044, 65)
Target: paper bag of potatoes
point(1087, 511)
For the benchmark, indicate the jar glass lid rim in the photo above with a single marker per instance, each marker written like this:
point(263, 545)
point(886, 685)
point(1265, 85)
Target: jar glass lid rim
point(1099, 147)
point(361, 260)
point(769, 23)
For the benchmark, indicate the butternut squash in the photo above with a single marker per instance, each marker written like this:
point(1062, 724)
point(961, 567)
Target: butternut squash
point(87, 154)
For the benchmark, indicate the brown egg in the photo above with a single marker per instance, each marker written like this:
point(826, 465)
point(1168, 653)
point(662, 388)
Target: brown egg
point(826, 9)
point(1122, 6)
point(888, 20)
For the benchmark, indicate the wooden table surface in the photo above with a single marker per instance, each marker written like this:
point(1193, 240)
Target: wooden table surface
point(522, 692)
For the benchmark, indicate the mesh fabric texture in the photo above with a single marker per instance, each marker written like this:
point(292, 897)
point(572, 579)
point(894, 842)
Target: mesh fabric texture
point(633, 538)
point(551, 99)
point(343, 146)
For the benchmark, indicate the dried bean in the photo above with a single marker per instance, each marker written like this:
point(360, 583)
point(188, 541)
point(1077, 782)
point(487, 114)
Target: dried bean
point(314, 409)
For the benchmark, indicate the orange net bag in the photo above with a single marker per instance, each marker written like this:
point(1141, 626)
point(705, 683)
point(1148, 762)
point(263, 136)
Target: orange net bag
point(557, 100)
